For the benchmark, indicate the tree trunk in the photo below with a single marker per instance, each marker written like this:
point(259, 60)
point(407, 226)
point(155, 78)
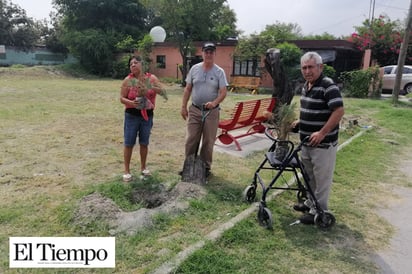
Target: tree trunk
point(282, 90)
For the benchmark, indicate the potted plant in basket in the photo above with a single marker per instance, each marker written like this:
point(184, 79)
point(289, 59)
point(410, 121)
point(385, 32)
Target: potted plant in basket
point(281, 121)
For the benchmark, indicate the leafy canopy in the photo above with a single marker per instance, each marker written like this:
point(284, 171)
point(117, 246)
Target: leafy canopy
point(91, 29)
point(257, 44)
point(16, 29)
point(187, 21)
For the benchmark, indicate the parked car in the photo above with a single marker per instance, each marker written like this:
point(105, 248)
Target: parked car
point(389, 76)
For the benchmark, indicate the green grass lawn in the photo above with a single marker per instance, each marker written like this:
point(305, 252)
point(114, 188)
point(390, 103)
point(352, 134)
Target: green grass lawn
point(61, 139)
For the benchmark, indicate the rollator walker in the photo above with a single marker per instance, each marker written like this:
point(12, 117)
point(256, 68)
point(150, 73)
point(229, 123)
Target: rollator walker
point(290, 161)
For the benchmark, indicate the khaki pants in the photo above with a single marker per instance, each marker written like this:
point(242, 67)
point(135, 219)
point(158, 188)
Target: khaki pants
point(319, 164)
point(194, 134)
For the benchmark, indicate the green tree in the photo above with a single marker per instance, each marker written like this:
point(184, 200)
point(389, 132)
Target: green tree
point(16, 29)
point(53, 35)
point(383, 37)
point(253, 46)
point(323, 36)
point(284, 70)
point(282, 63)
point(152, 12)
point(145, 47)
point(225, 24)
point(280, 32)
point(290, 57)
point(187, 21)
point(257, 44)
point(91, 29)
point(94, 49)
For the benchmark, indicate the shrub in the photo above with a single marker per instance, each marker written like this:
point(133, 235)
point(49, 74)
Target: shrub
point(329, 71)
point(361, 83)
point(75, 70)
point(375, 89)
point(17, 66)
point(121, 67)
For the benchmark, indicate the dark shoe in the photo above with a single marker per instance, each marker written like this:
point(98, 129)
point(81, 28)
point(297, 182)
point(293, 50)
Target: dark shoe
point(301, 207)
point(307, 219)
point(180, 173)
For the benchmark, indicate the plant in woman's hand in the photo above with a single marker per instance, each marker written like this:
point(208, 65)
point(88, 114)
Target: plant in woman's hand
point(151, 83)
point(141, 87)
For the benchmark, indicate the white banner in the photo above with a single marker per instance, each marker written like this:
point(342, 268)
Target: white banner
point(62, 252)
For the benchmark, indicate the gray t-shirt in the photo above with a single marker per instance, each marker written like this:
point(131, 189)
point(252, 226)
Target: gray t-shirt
point(205, 85)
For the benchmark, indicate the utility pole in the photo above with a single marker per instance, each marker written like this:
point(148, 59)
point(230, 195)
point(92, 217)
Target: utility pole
point(371, 11)
point(402, 56)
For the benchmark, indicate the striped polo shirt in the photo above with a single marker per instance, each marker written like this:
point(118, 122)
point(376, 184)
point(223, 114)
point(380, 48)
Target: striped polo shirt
point(316, 106)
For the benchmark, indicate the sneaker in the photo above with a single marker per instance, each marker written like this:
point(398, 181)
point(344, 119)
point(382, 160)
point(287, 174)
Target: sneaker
point(307, 219)
point(301, 207)
point(127, 177)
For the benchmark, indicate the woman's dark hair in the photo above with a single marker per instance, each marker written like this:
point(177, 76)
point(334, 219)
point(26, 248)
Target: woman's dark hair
point(138, 58)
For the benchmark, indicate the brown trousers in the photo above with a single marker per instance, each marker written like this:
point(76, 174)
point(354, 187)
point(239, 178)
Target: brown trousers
point(194, 134)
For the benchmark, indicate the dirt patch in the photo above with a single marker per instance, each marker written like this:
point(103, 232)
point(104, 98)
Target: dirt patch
point(96, 208)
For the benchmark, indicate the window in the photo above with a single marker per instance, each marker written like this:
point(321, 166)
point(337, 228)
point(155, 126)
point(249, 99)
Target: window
point(407, 70)
point(49, 57)
point(387, 70)
point(161, 61)
point(247, 67)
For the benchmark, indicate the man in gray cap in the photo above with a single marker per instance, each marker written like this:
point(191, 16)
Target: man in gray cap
point(206, 82)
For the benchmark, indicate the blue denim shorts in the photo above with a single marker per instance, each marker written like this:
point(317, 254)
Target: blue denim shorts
point(136, 126)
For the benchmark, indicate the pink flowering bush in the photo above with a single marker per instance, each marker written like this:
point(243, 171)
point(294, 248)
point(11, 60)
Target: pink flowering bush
point(384, 37)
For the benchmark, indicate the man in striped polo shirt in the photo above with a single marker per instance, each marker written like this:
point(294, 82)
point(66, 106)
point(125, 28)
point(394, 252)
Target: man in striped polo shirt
point(320, 113)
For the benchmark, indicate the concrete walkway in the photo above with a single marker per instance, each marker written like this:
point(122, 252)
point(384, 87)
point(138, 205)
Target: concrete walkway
point(248, 144)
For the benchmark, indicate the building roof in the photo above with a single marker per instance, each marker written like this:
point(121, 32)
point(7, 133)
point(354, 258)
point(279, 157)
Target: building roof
point(324, 44)
point(199, 44)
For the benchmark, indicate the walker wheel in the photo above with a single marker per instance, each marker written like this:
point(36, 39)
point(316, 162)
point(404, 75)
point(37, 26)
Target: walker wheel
point(301, 195)
point(265, 217)
point(324, 220)
point(249, 194)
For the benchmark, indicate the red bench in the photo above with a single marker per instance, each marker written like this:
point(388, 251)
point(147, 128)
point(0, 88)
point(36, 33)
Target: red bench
point(245, 114)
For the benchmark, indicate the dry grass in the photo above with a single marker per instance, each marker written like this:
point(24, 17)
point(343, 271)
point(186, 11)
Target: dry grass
point(61, 136)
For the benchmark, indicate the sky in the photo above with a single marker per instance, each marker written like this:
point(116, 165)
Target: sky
point(337, 17)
